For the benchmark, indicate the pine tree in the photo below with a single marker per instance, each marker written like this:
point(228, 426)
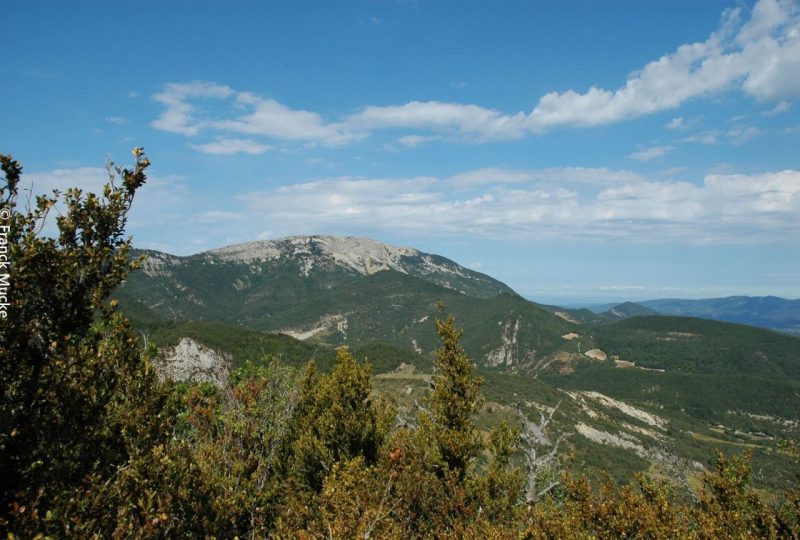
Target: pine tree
point(455, 400)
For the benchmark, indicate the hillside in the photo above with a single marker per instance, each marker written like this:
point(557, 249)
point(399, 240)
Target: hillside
point(637, 392)
point(765, 311)
point(601, 314)
point(622, 417)
point(693, 345)
point(246, 283)
point(338, 291)
point(628, 309)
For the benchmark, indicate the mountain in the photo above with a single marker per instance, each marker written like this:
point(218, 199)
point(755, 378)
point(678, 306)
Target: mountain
point(607, 313)
point(638, 392)
point(244, 283)
point(343, 291)
point(626, 310)
point(764, 311)
point(351, 291)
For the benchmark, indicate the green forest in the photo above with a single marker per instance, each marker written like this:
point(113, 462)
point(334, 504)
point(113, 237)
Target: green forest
point(94, 445)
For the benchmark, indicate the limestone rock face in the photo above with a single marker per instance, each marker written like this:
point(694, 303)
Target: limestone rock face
point(362, 255)
point(193, 361)
point(356, 256)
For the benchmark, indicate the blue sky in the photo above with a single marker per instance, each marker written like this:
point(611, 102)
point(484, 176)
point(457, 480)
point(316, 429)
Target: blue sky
point(577, 150)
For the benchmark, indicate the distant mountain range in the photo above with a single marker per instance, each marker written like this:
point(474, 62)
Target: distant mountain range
point(334, 290)
point(638, 388)
point(764, 311)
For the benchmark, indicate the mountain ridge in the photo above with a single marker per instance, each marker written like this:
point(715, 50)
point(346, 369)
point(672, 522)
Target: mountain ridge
point(248, 300)
point(346, 291)
point(764, 311)
point(351, 255)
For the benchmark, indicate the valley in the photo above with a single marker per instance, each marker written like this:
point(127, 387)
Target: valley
point(631, 390)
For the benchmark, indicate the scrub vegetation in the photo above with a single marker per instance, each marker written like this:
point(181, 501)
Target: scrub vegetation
point(94, 445)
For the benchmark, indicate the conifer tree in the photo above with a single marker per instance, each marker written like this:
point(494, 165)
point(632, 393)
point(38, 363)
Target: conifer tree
point(455, 400)
point(336, 420)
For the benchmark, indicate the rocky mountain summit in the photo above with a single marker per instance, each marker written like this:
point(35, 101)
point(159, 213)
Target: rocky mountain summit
point(334, 289)
point(363, 255)
point(348, 256)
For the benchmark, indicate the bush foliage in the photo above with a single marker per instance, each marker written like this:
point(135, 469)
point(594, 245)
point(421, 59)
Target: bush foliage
point(94, 445)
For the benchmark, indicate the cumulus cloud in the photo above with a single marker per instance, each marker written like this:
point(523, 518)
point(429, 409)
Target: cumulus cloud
point(177, 116)
point(560, 204)
point(768, 194)
point(162, 200)
point(761, 55)
point(527, 205)
point(276, 120)
point(470, 121)
point(753, 51)
point(262, 116)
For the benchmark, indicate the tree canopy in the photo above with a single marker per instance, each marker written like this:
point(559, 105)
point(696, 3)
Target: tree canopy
point(94, 445)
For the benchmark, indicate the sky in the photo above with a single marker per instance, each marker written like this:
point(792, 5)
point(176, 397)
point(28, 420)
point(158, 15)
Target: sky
point(579, 151)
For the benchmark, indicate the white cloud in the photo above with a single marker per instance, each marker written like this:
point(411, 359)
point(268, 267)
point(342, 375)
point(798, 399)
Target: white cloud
point(177, 116)
point(553, 175)
point(763, 55)
point(489, 176)
point(753, 195)
point(723, 208)
point(756, 52)
point(676, 123)
point(117, 120)
point(231, 146)
point(412, 141)
point(161, 201)
point(770, 48)
point(736, 135)
point(674, 171)
point(85, 178)
point(706, 137)
point(650, 153)
point(219, 217)
point(741, 135)
point(470, 121)
point(273, 119)
point(780, 108)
